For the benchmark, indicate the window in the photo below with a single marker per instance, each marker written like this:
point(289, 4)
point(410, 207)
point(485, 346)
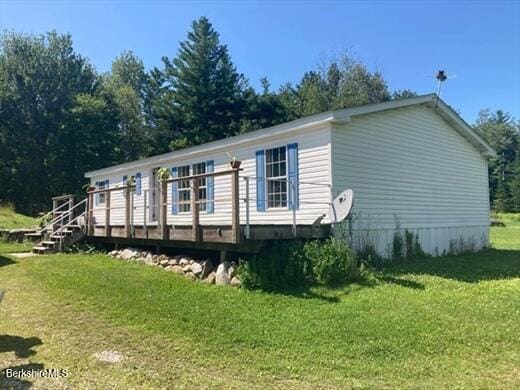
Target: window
point(276, 174)
point(199, 169)
point(184, 189)
point(102, 195)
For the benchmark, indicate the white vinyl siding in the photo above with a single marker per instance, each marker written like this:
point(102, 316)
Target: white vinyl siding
point(408, 167)
point(313, 158)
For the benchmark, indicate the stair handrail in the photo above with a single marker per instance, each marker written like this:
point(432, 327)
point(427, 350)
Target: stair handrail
point(60, 236)
point(63, 216)
point(42, 218)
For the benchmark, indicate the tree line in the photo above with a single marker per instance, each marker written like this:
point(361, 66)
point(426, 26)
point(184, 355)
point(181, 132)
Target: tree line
point(59, 117)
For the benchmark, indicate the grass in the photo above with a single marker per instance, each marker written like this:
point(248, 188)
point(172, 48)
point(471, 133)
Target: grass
point(10, 219)
point(437, 323)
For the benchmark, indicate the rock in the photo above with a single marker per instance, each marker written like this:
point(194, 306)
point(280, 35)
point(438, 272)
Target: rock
point(177, 269)
point(184, 261)
point(222, 275)
point(129, 253)
point(155, 258)
point(148, 259)
point(235, 282)
point(190, 261)
point(141, 259)
point(164, 262)
point(186, 268)
point(231, 271)
point(207, 267)
point(169, 268)
point(196, 268)
point(189, 275)
point(173, 262)
point(113, 253)
point(210, 279)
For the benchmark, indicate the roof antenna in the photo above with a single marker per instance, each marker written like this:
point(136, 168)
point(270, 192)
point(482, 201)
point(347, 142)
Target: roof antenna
point(441, 77)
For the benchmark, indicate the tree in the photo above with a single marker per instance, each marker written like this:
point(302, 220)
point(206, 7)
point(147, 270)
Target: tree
point(126, 90)
point(40, 77)
point(339, 83)
point(403, 94)
point(503, 134)
point(203, 101)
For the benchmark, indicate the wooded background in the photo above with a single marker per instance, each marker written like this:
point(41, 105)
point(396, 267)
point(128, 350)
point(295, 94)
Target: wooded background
point(59, 117)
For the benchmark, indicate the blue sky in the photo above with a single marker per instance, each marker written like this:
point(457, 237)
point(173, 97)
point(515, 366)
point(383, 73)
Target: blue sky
point(479, 42)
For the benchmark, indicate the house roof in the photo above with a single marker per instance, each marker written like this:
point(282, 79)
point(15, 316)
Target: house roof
point(337, 116)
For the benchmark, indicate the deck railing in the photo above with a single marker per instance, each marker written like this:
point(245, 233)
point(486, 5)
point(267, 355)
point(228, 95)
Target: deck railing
point(160, 194)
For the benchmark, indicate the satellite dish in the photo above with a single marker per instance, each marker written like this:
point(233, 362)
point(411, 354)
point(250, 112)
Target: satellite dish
point(341, 206)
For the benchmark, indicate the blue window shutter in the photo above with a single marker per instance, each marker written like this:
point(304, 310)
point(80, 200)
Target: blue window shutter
point(96, 196)
point(125, 178)
point(210, 183)
point(260, 180)
point(138, 183)
point(292, 169)
point(175, 195)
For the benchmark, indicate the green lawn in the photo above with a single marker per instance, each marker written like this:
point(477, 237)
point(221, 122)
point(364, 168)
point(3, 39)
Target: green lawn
point(445, 322)
point(9, 219)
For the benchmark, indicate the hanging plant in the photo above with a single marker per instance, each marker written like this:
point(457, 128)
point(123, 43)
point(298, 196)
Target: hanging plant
point(88, 187)
point(233, 162)
point(130, 182)
point(163, 174)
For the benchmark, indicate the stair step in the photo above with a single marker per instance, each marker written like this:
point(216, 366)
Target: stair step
point(33, 234)
point(42, 249)
point(47, 243)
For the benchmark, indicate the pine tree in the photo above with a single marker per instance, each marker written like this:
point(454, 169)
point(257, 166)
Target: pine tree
point(205, 100)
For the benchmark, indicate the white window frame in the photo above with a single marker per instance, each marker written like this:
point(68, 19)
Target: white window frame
point(183, 187)
point(102, 195)
point(283, 180)
point(203, 184)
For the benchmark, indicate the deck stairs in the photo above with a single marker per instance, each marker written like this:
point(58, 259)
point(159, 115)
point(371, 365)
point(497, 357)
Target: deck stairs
point(65, 228)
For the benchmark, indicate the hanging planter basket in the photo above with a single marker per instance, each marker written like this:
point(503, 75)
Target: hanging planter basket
point(235, 164)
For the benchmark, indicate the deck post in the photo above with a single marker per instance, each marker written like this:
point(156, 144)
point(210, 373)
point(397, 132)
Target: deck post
point(248, 228)
point(145, 227)
point(127, 211)
point(195, 230)
point(107, 214)
point(235, 208)
point(164, 209)
point(90, 214)
point(71, 205)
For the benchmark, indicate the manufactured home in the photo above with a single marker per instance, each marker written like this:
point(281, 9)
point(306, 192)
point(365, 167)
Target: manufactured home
point(412, 164)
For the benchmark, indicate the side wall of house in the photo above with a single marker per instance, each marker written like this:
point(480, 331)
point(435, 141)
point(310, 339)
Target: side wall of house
point(313, 167)
point(409, 168)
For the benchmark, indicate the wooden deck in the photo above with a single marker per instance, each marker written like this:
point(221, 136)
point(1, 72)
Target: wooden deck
point(237, 236)
point(208, 237)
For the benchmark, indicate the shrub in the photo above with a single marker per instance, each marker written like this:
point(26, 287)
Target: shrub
point(279, 266)
point(333, 262)
point(397, 246)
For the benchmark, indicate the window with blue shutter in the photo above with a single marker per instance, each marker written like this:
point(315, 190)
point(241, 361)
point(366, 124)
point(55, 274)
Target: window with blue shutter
point(292, 175)
point(260, 180)
point(138, 183)
point(210, 183)
point(175, 196)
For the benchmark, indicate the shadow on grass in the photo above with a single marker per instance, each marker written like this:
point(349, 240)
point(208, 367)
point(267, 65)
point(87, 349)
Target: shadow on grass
point(6, 261)
point(21, 346)
point(12, 377)
point(15, 380)
point(490, 264)
point(307, 293)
